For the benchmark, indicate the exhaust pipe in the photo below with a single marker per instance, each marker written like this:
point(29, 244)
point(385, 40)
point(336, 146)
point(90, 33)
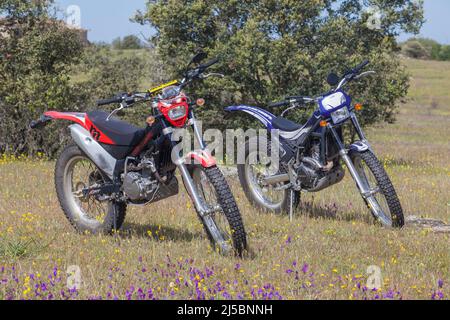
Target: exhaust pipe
point(280, 178)
point(102, 159)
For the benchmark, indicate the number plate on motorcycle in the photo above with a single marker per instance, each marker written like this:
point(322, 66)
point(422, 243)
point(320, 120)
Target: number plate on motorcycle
point(340, 115)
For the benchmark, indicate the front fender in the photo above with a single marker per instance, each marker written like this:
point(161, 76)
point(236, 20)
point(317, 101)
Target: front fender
point(360, 146)
point(262, 115)
point(202, 157)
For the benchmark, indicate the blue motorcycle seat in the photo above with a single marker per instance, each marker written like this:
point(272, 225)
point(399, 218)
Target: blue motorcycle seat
point(285, 125)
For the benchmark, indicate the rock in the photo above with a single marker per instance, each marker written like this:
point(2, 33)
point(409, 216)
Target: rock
point(435, 225)
point(443, 229)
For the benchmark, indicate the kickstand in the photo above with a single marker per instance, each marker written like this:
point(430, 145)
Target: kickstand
point(115, 222)
point(291, 206)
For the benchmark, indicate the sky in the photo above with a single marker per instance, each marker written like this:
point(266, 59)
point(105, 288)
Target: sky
point(109, 19)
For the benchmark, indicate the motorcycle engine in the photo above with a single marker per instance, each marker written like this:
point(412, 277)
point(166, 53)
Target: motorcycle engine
point(308, 173)
point(139, 183)
point(313, 175)
point(138, 187)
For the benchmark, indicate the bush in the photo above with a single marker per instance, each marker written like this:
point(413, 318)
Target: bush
point(128, 42)
point(106, 73)
point(415, 49)
point(44, 66)
point(422, 48)
point(37, 52)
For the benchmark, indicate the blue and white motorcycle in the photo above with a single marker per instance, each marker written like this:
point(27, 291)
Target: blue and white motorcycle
point(311, 155)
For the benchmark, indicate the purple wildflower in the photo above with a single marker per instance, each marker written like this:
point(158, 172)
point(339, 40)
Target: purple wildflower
point(305, 268)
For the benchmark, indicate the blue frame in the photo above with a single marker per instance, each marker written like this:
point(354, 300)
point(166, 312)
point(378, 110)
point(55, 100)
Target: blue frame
point(265, 117)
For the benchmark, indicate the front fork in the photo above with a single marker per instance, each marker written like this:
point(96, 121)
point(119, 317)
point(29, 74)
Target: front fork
point(360, 146)
point(180, 162)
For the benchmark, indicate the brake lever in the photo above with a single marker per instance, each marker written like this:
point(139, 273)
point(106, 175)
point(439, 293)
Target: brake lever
point(123, 105)
point(293, 106)
point(364, 74)
point(205, 76)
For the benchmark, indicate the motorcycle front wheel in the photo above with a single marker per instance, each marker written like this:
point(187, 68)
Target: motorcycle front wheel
point(223, 223)
point(382, 201)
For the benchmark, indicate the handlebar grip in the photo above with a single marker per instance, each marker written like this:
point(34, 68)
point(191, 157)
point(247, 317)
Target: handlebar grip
point(278, 104)
point(209, 63)
point(296, 98)
point(40, 123)
point(109, 101)
point(361, 65)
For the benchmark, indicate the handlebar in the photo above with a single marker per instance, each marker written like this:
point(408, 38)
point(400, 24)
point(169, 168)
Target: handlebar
point(105, 102)
point(291, 100)
point(351, 75)
point(209, 64)
point(359, 67)
point(197, 72)
point(279, 104)
point(129, 99)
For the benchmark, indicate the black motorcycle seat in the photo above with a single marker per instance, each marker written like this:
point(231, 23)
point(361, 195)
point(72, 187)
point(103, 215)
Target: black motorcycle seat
point(121, 132)
point(285, 125)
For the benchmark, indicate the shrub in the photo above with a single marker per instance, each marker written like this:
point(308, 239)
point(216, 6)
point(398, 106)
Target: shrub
point(128, 42)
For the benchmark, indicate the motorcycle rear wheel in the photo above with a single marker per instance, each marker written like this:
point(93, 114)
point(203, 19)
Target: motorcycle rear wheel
point(264, 198)
point(74, 172)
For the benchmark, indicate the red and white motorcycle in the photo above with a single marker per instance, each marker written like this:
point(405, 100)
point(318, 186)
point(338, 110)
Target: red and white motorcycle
point(112, 164)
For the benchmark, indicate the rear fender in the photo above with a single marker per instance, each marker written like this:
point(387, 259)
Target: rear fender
point(77, 117)
point(202, 157)
point(262, 115)
point(81, 119)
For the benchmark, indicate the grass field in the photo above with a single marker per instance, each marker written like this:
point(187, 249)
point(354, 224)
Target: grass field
point(161, 253)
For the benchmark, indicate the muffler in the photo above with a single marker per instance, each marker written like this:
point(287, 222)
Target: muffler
point(93, 150)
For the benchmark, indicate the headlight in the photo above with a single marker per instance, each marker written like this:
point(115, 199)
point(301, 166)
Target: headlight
point(177, 113)
point(340, 115)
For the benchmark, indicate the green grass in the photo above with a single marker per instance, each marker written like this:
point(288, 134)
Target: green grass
point(162, 247)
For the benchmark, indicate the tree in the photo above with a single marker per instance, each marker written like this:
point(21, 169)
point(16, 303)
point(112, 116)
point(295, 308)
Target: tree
point(270, 49)
point(128, 42)
point(444, 53)
point(131, 42)
point(106, 73)
point(117, 43)
point(36, 54)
